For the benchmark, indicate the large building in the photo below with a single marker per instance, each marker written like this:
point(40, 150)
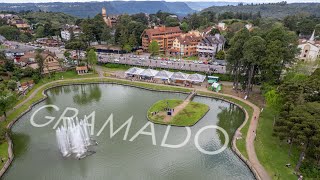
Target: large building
point(310, 49)
point(163, 35)
point(50, 63)
point(111, 21)
point(68, 31)
point(210, 45)
point(186, 44)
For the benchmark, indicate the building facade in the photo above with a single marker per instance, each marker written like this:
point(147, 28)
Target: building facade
point(70, 31)
point(210, 45)
point(186, 44)
point(310, 49)
point(111, 21)
point(164, 36)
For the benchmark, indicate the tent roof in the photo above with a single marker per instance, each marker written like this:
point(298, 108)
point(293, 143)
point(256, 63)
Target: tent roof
point(215, 85)
point(149, 72)
point(196, 77)
point(164, 74)
point(134, 71)
point(179, 76)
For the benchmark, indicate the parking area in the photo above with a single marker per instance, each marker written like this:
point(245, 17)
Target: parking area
point(165, 63)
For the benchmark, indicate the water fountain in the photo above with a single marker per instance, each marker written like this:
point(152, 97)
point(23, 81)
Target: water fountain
point(73, 138)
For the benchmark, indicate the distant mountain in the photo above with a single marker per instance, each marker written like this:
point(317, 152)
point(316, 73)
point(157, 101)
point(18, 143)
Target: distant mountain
point(85, 9)
point(200, 5)
point(271, 10)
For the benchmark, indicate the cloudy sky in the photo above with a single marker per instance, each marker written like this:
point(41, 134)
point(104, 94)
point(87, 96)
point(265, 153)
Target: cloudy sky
point(247, 1)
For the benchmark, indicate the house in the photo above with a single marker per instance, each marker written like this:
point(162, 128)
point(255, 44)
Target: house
point(51, 42)
point(310, 49)
point(249, 27)
point(50, 61)
point(82, 70)
point(210, 45)
point(186, 44)
point(221, 26)
point(164, 36)
point(70, 31)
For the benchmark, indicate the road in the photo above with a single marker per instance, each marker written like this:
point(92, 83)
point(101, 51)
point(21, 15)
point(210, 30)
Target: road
point(57, 50)
point(158, 63)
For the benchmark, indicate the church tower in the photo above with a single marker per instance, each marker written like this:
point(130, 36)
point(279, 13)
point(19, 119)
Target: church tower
point(104, 12)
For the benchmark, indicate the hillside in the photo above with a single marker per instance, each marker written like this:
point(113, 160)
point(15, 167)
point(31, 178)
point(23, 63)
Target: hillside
point(56, 19)
point(271, 10)
point(86, 9)
point(200, 5)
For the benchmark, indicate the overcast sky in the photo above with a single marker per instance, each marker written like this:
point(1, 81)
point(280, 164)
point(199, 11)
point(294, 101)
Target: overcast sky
point(247, 1)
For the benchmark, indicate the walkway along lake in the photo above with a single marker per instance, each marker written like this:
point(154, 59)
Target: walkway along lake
point(38, 157)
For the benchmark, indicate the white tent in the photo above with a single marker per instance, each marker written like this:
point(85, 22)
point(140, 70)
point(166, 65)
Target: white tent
point(164, 75)
point(149, 73)
point(216, 87)
point(179, 76)
point(134, 71)
point(198, 78)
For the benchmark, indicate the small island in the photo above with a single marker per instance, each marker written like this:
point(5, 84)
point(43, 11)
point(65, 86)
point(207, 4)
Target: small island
point(177, 112)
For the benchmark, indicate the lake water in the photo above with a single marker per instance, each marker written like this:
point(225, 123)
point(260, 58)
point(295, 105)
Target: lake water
point(38, 157)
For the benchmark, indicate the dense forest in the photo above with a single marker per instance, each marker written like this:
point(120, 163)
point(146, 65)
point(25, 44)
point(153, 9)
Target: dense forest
point(274, 10)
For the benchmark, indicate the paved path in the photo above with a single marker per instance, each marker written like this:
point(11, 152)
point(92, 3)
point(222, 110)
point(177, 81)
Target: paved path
point(178, 108)
point(250, 135)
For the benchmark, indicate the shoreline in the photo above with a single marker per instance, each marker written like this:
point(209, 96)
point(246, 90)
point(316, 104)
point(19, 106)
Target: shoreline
point(44, 88)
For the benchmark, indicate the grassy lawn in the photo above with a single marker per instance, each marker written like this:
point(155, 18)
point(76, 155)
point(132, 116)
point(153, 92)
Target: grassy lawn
point(188, 116)
point(273, 154)
point(3, 152)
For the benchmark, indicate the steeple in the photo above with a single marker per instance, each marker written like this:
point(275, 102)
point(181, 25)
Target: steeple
point(312, 36)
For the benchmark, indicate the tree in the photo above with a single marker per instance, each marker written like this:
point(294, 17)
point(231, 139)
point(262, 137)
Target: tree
point(220, 55)
point(40, 61)
point(92, 57)
point(40, 32)
point(184, 27)
point(235, 54)
point(106, 35)
point(281, 50)
point(9, 32)
point(214, 31)
point(8, 65)
point(154, 48)
point(12, 85)
point(171, 21)
point(7, 99)
point(127, 48)
point(67, 54)
point(306, 127)
point(253, 54)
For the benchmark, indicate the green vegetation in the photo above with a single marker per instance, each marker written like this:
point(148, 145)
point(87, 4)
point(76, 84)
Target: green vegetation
point(292, 112)
point(274, 10)
point(154, 48)
point(188, 116)
point(3, 153)
point(272, 153)
point(241, 143)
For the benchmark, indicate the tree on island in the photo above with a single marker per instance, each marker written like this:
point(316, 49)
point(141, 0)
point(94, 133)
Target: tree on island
point(154, 48)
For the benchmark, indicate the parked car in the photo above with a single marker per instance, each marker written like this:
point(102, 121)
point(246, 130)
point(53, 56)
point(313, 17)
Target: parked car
point(116, 60)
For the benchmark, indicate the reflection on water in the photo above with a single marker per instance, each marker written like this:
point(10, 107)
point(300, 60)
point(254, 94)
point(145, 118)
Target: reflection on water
point(38, 157)
point(87, 94)
point(230, 118)
point(21, 142)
